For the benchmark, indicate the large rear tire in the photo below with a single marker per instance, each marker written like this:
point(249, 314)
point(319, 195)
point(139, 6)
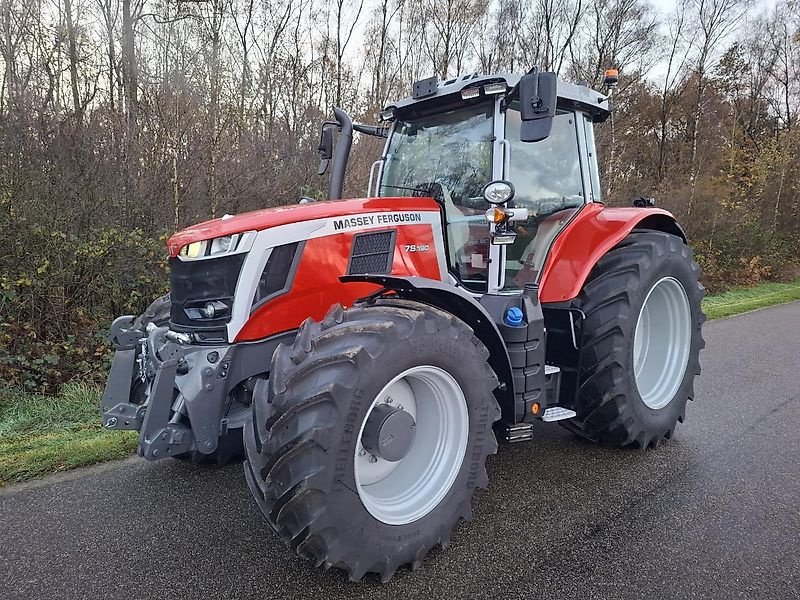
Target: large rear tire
point(231, 446)
point(334, 490)
point(641, 342)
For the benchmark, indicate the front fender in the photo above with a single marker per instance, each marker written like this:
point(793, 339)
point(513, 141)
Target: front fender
point(461, 304)
point(595, 230)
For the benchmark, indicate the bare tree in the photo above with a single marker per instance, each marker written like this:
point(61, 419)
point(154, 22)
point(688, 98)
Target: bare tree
point(715, 20)
point(344, 33)
point(674, 79)
point(448, 26)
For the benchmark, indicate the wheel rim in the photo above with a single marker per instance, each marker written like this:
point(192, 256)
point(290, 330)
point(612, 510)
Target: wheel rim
point(401, 492)
point(661, 342)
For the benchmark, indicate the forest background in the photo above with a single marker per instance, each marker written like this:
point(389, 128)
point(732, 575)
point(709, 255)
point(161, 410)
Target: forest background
point(124, 120)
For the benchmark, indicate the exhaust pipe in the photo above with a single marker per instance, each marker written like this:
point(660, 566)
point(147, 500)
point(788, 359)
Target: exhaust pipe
point(342, 153)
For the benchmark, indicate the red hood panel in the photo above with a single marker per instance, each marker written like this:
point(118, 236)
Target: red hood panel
point(295, 213)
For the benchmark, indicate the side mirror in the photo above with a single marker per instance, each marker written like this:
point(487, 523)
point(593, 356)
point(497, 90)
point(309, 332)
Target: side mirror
point(644, 202)
point(537, 105)
point(325, 148)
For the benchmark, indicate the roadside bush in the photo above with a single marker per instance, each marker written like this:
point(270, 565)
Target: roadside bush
point(745, 259)
point(59, 293)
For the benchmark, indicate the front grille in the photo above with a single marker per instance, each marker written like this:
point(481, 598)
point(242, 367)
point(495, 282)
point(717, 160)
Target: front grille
point(372, 253)
point(197, 282)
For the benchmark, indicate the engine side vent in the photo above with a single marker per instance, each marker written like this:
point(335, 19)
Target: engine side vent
point(278, 273)
point(372, 253)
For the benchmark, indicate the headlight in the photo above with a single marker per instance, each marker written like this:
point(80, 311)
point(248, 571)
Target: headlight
point(193, 250)
point(228, 244)
point(221, 245)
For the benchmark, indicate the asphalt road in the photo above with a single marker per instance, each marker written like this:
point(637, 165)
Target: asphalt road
point(714, 513)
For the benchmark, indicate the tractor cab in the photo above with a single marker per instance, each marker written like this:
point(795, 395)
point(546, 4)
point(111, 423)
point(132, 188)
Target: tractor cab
point(531, 137)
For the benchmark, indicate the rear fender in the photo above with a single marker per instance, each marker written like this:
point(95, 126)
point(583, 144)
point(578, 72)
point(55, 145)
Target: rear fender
point(461, 304)
point(594, 231)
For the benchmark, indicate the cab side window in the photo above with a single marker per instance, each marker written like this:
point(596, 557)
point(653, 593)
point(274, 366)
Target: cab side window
point(547, 174)
point(548, 182)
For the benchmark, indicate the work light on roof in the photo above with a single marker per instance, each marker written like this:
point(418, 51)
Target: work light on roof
point(495, 88)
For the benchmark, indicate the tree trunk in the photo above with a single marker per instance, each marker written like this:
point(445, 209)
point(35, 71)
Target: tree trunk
point(112, 55)
point(214, 84)
point(130, 82)
point(72, 52)
point(8, 56)
point(695, 124)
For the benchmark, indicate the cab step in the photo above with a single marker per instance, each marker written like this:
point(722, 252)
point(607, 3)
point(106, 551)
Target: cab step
point(558, 413)
point(521, 432)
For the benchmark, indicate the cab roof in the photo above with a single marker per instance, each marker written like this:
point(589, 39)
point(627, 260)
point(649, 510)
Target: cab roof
point(570, 95)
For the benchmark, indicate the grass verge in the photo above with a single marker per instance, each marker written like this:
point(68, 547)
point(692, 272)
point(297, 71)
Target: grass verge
point(45, 434)
point(741, 300)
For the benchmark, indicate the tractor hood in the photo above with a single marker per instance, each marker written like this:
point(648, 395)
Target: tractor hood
point(282, 215)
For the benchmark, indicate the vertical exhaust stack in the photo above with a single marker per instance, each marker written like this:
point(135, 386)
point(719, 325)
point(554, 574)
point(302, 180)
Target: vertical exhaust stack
point(341, 155)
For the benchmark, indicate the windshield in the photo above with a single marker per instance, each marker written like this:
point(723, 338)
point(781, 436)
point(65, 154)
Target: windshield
point(452, 149)
point(448, 156)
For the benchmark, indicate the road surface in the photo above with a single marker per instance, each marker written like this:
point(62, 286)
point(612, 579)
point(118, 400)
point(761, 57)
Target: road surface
point(714, 513)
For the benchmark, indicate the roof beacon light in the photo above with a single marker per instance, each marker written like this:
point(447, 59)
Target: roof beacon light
point(469, 93)
point(611, 78)
point(495, 88)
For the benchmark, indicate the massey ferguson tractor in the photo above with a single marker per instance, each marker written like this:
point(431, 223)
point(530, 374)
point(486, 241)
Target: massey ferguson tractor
point(367, 354)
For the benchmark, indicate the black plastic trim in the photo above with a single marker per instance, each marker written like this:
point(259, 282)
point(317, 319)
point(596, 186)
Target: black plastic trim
point(192, 283)
point(290, 275)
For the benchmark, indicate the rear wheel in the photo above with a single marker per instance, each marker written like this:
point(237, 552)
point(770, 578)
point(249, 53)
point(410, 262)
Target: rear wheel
point(641, 342)
point(368, 446)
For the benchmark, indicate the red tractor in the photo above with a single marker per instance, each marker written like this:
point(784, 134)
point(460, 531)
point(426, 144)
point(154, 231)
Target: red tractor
point(370, 352)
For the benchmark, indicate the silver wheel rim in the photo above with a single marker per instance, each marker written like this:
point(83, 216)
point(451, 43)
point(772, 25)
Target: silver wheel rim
point(661, 342)
point(402, 492)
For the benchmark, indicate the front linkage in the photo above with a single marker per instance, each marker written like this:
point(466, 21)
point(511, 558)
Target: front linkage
point(175, 394)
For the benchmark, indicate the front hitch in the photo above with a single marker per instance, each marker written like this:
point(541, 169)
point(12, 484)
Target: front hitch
point(179, 381)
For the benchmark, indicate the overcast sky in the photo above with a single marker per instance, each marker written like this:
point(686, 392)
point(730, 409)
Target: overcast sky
point(667, 6)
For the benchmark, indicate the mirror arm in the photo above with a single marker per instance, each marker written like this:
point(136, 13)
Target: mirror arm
point(372, 130)
point(506, 100)
point(513, 94)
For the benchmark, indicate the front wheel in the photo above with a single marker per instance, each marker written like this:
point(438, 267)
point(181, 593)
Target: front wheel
point(368, 446)
point(641, 342)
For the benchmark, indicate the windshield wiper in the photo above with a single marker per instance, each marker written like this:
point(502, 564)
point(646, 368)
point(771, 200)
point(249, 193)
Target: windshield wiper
point(433, 189)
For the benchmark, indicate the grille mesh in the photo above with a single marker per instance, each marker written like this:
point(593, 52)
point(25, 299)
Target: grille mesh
point(371, 253)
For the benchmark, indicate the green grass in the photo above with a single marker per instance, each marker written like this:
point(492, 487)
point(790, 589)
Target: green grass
point(741, 300)
point(45, 434)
